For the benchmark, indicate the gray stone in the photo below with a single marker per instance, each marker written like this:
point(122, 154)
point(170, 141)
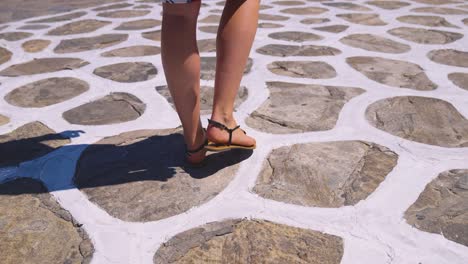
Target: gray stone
point(449, 57)
point(303, 69)
point(295, 36)
point(293, 50)
point(326, 174)
point(297, 108)
point(269, 25)
point(389, 5)
point(206, 45)
point(5, 55)
point(110, 109)
point(442, 208)
point(113, 6)
point(288, 3)
point(396, 73)
point(35, 45)
point(133, 51)
point(430, 21)
point(304, 10)
point(60, 18)
point(438, 2)
point(46, 92)
point(211, 19)
point(363, 19)
point(460, 79)
point(127, 72)
point(250, 241)
point(141, 175)
point(34, 226)
point(33, 27)
point(309, 21)
point(348, 6)
point(465, 21)
point(14, 36)
point(375, 43)
point(139, 24)
point(208, 67)
point(78, 27)
point(425, 36)
point(333, 28)
point(89, 43)
point(206, 97)
point(263, 16)
point(440, 10)
point(421, 119)
point(209, 29)
point(124, 13)
point(28, 142)
point(4, 120)
point(152, 35)
point(43, 65)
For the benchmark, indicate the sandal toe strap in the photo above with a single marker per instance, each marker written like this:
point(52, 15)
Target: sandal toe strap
point(224, 127)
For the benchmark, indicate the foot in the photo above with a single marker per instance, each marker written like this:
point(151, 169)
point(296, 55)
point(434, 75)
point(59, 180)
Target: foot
point(220, 136)
point(196, 153)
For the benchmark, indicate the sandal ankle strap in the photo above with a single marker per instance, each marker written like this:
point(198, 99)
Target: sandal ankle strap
point(224, 127)
point(202, 146)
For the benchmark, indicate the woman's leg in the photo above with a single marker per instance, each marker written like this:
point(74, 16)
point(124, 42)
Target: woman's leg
point(181, 63)
point(235, 36)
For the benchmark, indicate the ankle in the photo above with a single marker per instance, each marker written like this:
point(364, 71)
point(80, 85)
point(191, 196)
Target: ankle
point(226, 119)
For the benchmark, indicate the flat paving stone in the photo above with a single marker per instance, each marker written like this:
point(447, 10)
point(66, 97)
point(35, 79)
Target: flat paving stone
point(59, 18)
point(206, 97)
point(124, 13)
point(304, 10)
point(34, 226)
point(313, 20)
point(110, 109)
point(389, 5)
point(133, 51)
point(303, 69)
point(263, 16)
point(250, 241)
point(33, 27)
point(422, 119)
point(78, 27)
point(438, 2)
point(112, 7)
point(396, 73)
point(4, 120)
point(449, 57)
point(325, 174)
point(442, 207)
point(209, 29)
point(440, 10)
point(460, 79)
point(430, 21)
point(333, 28)
point(295, 36)
point(35, 45)
point(298, 108)
point(363, 19)
point(206, 45)
point(269, 25)
point(43, 65)
point(294, 50)
point(288, 3)
point(347, 6)
point(139, 24)
point(425, 36)
point(28, 142)
point(15, 36)
point(5, 55)
point(152, 35)
point(141, 175)
point(465, 21)
point(46, 92)
point(211, 19)
point(89, 43)
point(208, 67)
point(127, 72)
point(375, 43)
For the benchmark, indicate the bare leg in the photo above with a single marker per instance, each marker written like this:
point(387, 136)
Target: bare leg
point(235, 36)
point(181, 63)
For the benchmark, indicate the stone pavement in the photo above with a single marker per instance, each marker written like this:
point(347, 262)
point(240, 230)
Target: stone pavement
point(359, 109)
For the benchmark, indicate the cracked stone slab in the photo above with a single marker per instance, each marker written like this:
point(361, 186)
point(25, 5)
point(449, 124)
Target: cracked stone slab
point(310, 21)
point(141, 175)
point(127, 72)
point(298, 108)
point(303, 69)
point(208, 67)
point(375, 43)
point(295, 36)
point(112, 7)
point(333, 28)
point(215, 19)
point(288, 3)
point(422, 119)
point(46, 92)
point(206, 45)
point(60, 18)
point(209, 29)
point(89, 43)
point(325, 174)
point(133, 51)
point(442, 208)
point(15, 36)
point(152, 35)
point(294, 50)
point(111, 109)
point(43, 65)
point(4, 120)
point(269, 25)
point(78, 27)
point(438, 2)
point(5, 55)
point(33, 27)
point(396, 73)
point(389, 5)
point(425, 36)
point(363, 19)
point(263, 16)
point(347, 6)
point(35, 45)
point(250, 241)
point(206, 97)
point(34, 226)
point(465, 21)
point(460, 79)
point(139, 24)
point(430, 21)
point(449, 57)
point(124, 13)
point(28, 142)
point(440, 10)
point(304, 10)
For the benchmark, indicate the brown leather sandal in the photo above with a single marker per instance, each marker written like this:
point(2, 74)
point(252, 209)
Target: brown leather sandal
point(213, 146)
